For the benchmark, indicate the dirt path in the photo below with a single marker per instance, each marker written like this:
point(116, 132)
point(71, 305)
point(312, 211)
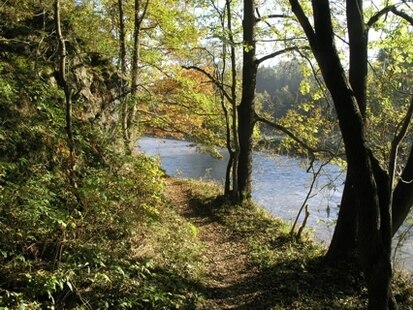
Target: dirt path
point(231, 281)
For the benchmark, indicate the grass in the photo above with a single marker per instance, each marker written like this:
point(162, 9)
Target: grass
point(292, 274)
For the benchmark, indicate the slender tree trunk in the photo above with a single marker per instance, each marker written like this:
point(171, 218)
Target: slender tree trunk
point(227, 185)
point(122, 62)
point(62, 80)
point(220, 77)
point(140, 10)
point(122, 38)
point(136, 47)
point(230, 164)
point(235, 150)
point(246, 109)
point(131, 111)
point(387, 198)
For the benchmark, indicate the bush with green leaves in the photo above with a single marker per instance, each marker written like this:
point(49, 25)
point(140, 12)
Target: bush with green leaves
point(98, 237)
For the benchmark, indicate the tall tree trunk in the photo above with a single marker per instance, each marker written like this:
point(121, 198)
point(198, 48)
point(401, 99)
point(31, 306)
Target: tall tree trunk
point(358, 52)
point(372, 250)
point(228, 133)
point(246, 109)
point(140, 10)
point(122, 38)
point(373, 253)
point(62, 81)
point(220, 77)
point(235, 141)
point(136, 47)
point(345, 234)
point(122, 62)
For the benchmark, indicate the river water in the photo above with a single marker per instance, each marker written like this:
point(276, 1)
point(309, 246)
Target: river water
point(280, 185)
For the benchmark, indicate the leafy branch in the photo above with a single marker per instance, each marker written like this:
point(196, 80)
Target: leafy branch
point(312, 151)
point(212, 79)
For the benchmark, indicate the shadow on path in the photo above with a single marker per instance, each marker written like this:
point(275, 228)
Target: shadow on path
point(233, 281)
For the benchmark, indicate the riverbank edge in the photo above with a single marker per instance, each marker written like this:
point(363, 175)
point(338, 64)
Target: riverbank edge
point(288, 273)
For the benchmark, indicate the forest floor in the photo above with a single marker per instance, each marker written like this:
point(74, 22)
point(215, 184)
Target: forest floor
point(231, 280)
point(251, 261)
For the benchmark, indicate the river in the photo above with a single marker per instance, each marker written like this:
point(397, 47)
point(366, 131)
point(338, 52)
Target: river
point(280, 185)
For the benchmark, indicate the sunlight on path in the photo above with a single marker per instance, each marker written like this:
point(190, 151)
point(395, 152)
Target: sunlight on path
point(230, 279)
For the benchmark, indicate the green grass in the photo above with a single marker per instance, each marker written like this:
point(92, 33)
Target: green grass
point(293, 272)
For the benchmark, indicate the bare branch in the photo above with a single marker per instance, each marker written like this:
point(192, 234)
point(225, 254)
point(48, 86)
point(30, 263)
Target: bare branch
point(282, 39)
point(264, 18)
point(171, 123)
point(387, 9)
point(277, 16)
point(280, 52)
point(190, 108)
point(304, 205)
point(401, 132)
point(377, 16)
point(403, 15)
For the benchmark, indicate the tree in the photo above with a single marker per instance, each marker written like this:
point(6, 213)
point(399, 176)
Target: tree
point(230, 114)
point(128, 109)
point(222, 55)
point(373, 185)
point(185, 107)
point(122, 63)
point(247, 114)
point(345, 236)
point(239, 119)
point(64, 84)
point(246, 109)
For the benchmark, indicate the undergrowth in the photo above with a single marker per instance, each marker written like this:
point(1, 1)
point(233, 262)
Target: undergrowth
point(293, 273)
point(102, 237)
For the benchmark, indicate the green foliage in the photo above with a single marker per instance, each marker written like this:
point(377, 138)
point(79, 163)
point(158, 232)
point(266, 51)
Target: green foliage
point(62, 247)
point(90, 15)
point(296, 100)
point(80, 240)
point(185, 106)
point(281, 83)
point(389, 89)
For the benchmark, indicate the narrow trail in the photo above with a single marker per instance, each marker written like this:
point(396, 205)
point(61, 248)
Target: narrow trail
point(296, 279)
point(231, 281)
